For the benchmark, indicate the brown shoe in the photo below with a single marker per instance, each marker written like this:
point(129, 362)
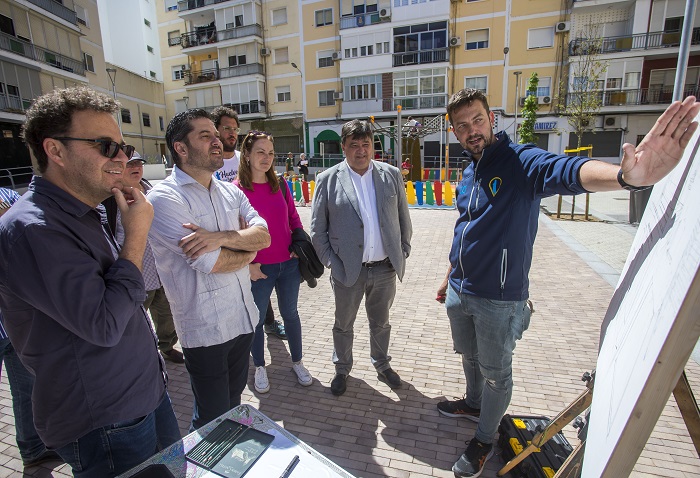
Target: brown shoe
point(175, 356)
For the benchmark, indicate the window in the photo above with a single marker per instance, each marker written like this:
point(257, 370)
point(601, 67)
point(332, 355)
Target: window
point(237, 22)
point(362, 87)
point(325, 98)
point(426, 36)
point(146, 119)
point(544, 86)
point(476, 82)
point(81, 15)
point(379, 48)
point(235, 60)
point(324, 17)
point(153, 74)
point(174, 38)
point(613, 83)
point(281, 55)
point(170, 5)
point(632, 80)
point(7, 25)
point(88, 62)
point(283, 94)
point(178, 72)
point(126, 116)
point(476, 39)
point(147, 23)
point(673, 24)
point(540, 37)
point(279, 16)
point(325, 58)
point(161, 123)
point(149, 48)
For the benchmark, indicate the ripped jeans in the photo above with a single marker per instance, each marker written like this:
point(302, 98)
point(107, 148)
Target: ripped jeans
point(484, 332)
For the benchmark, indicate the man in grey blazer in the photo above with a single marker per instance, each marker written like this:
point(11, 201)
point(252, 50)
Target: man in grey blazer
point(361, 229)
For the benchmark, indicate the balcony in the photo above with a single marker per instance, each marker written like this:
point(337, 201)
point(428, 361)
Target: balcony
point(12, 104)
point(175, 41)
point(421, 57)
point(206, 35)
point(251, 107)
point(241, 70)
point(660, 95)
point(185, 5)
point(57, 9)
point(33, 52)
point(642, 41)
point(415, 102)
point(357, 21)
point(201, 76)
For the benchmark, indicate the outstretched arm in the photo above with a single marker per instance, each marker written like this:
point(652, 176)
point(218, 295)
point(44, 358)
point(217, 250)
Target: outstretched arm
point(658, 153)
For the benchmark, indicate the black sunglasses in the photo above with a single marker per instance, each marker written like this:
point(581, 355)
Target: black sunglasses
point(108, 148)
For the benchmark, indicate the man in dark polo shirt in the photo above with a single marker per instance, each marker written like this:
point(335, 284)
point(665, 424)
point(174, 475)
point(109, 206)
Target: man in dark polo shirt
point(72, 299)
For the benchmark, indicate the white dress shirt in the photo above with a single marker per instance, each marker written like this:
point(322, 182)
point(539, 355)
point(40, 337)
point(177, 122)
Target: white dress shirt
point(364, 189)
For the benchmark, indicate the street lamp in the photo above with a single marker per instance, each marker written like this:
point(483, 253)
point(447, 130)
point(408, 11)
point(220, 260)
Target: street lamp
point(517, 100)
point(294, 65)
point(112, 73)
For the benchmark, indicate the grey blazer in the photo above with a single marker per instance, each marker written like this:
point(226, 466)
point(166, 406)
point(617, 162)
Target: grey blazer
point(336, 223)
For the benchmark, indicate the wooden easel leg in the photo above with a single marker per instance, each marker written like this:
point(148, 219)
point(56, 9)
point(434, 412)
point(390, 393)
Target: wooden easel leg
point(689, 409)
point(571, 468)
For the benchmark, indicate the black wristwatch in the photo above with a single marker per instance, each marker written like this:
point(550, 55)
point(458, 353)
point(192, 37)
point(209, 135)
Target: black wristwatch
point(629, 187)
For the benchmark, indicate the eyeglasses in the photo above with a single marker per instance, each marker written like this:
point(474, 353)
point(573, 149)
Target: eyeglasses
point(257, 133)
point(108, 148)
point(231, 129)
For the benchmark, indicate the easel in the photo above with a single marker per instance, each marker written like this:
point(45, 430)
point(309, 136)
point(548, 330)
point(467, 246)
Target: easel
point(573, 198)
point(571, 468)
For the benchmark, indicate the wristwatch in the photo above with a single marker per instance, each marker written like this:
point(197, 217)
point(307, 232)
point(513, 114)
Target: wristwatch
point(629, 187)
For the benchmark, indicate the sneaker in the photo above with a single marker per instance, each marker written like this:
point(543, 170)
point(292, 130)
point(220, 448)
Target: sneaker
point(457, 409)
point(471, 463)
point(262, 384)
point(276, 329)
point(303, 375)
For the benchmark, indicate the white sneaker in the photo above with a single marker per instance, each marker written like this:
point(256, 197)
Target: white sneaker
point(303, 375)
point(262, 384)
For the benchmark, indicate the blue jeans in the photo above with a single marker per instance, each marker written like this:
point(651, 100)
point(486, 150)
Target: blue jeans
point(21, 386)
point(484, 332)
point(285, 278)
point(114, 449)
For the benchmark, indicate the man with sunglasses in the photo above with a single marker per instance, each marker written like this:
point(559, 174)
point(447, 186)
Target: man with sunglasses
point(156, 300)
point(204, 235)
point(75, 313)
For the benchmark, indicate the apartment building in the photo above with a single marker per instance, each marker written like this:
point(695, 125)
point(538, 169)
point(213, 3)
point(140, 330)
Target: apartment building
point(244, 54)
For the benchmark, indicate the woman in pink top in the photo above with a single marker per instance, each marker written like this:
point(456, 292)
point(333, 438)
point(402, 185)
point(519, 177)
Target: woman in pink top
point(274, 267)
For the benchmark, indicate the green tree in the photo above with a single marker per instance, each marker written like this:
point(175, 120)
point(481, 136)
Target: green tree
point(527, 129)
point(584, 84)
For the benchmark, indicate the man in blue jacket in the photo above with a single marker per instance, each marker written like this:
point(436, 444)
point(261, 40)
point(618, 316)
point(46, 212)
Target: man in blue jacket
point(486, 286)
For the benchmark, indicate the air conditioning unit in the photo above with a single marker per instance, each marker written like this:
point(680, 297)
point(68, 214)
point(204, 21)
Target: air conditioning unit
point(265, 51)
point(544, 100)
point(522, 100)
point(338, 95)
point(337, 55)
point(455, 41)
point(384, 13)
point(562, 27)
point(611, 122)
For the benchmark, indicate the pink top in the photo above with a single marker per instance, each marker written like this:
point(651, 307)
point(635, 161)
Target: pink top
point(281, 216)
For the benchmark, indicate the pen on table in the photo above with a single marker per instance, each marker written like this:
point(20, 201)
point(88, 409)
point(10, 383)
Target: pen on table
point(288, 471)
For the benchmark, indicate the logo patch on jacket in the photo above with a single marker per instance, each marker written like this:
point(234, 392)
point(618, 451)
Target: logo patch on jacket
point(495, 185)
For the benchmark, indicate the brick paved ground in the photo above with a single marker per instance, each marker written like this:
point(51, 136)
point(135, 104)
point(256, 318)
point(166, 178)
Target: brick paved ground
point(375, 432)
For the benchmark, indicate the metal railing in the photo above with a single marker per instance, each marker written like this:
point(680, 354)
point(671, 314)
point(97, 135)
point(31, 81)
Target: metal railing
point(415, 102)
point(11, 104)
point(643, 96)
point(206, 35)
point(641, 41)
point(361, 20)
point(185, 5)
point(57, 9)
point(15, 177)
point(213, 74)
point(241, 70)
point(201, 76)
point(422, 56)
point(29, 50)
point(174, 41)
point(252, 107)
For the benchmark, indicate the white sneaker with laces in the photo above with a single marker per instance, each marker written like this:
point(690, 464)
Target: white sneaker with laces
point(303, 375)
point(262, 384)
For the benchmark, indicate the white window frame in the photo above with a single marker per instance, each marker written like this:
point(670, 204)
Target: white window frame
point(279, 20)
point(325, 20)
point(89, 62)
point(281, 55)
point(540, 38)
point(283, 94)
point(178, 72)
point(324, 55)
point(628, 83)
point(81, 14)
point(479, 77)
point(328, 94)
point(170, 5)
point(474, 33)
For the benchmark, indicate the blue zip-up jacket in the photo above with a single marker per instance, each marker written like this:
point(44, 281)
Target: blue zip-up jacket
point(498, 202)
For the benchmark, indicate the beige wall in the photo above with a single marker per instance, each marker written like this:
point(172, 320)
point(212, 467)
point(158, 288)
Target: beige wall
point(311, 31)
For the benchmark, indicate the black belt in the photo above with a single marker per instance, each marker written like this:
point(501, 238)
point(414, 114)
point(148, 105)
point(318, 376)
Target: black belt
point(376, 263)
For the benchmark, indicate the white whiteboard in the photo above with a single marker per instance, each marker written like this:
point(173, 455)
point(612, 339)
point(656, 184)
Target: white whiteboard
point(653, 323)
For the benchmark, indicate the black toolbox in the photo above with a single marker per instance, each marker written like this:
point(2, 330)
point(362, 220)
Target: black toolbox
point(516, 432)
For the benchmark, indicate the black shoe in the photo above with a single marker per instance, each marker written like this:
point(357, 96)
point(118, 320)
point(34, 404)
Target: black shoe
point(276, 329)
point(45, 457)
point(471, 463)
point(175, 356)
point(457, 409)
point(389, 377)
point(339, 384)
